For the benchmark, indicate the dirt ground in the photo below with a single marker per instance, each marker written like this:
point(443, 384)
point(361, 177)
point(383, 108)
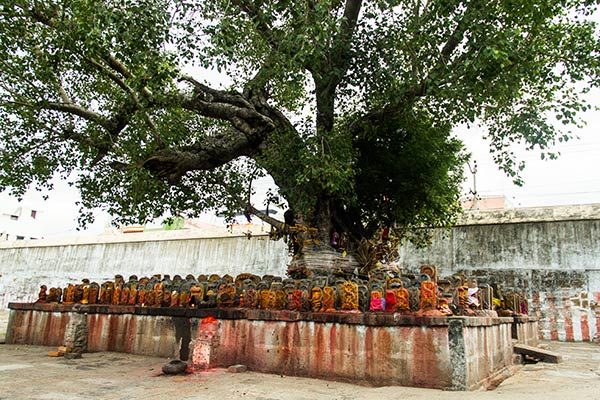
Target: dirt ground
point(26, 372)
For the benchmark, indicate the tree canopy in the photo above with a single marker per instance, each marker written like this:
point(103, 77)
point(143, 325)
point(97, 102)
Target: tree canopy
point(348, 105)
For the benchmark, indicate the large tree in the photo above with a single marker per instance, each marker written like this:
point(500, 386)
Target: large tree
point(347, 105)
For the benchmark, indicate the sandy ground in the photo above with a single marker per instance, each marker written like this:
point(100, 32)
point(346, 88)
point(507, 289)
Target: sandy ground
point(26, 372)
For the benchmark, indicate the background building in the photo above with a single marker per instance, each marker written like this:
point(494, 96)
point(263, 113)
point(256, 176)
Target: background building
point(19, 224)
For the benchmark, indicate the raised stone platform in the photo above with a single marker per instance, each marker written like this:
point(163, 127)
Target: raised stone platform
point(456, 353)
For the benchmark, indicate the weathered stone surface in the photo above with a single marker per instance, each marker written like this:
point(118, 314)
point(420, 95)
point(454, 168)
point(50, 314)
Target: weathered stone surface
point(536, 352)
point(237, 368)
point(174, 367)
point(72, 356)
point(413, 354)
point(76, 334)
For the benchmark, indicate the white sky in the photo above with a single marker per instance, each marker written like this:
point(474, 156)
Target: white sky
point(574, 178)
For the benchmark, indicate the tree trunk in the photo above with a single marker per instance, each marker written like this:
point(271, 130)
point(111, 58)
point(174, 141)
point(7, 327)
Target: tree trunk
point(322, 245)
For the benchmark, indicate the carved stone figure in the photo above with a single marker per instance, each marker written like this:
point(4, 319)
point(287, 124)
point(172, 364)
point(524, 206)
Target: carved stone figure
point(210, 298)
point(94, 292)
point(349, 296)
point(295, 300)
point(106, 292)
point(42, 295)
point(51, 295)
point(249, 294)
point(264, 297)
point(142, 293)
point(150, 298)
point(428, 296)
point(377, 301)
point(226, 295)
point(82, 295)
point(402, 300)
point(486, 294)
point(390, 300)
point(431, 271)
point(289, 286)
point(363, 298)
point(196, 297)
point(124, 300)
point(166, 300)
point(117, 287)
point(158, 294)
point(69, 296)
point(174, 299)
point(414, 298)
point(277, 298)
point(316, 299)
point(133, 292)
point(328, 299)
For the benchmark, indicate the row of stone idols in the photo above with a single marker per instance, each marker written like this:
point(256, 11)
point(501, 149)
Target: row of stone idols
point(409, 293)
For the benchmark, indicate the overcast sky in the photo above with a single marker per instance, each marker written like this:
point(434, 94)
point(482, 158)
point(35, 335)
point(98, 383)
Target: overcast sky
point(574, 178)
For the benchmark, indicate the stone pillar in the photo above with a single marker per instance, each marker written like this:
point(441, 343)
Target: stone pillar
point(458, 357)
point(204, 353)
point(76, 333)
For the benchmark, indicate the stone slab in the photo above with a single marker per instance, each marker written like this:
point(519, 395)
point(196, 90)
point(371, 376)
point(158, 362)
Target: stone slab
point(542, 354)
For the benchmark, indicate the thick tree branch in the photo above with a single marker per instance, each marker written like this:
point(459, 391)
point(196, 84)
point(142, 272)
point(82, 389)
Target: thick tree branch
point(253, 124)
point(280, 226)
point(118, 66)
point(347, 27)
point(71, 108)
point(327, 76)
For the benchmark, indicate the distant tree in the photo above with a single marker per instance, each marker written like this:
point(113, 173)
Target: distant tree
point(347, 105)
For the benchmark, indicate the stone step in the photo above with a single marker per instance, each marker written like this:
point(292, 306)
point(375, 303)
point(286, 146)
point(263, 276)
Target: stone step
point(541, 354)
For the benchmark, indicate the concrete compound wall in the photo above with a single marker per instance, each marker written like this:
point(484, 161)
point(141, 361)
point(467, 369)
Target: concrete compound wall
point(550, 255)
point(381, 349)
